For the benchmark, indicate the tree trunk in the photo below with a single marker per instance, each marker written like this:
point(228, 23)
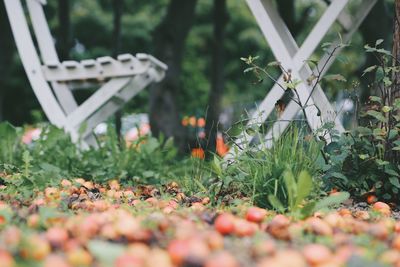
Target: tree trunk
point(64, 30)
point(169, 40)
point(117, 15)
point(376, 26)
point(394, 156)
point(6, 55)
point(396, 49)
point(220, 17)
point(286, 9)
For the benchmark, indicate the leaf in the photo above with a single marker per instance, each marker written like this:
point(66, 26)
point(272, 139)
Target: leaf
point(291, 187)
point(216, 166)
point(378, 42)
point(397, 103)
point(339, 175)
point(304, 187)
point(395, 181)
point(335, 77)
point(392, 134)
point(275, 203)
point(251, 131)
point(8, 141)
point(308, 209)
point(332, 148)
point(369, 69)
point(274, 64)
point(248, 69)
point(387, 81)
point(150, 145)
point(326, 44)
point(332, 200)
point(386, 109)
point(377, 115)
point(391, 172)
point(105, 252)
point(343, 59)
point(26, 158)
point(381, 162)
point(237, 128)
point(148, 174)
point(384, 51)
point(375, 99)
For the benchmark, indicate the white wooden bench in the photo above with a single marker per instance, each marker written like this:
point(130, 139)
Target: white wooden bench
point(53, 82)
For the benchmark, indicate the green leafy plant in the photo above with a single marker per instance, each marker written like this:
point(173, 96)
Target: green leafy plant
point(290, 84)
point(257, 172)
point(9, 143)
point(298, 191)
point(54, 156)
point(367, 158)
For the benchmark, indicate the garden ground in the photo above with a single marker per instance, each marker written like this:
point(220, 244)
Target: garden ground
point(79, 223)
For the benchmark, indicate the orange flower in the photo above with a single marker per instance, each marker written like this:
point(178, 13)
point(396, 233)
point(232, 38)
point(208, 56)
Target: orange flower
point(198, 153)
point(201, 122)
point(185, 121)
point(192, 121)
point(221, 147)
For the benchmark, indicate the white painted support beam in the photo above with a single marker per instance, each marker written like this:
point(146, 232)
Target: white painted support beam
point(135, 86)
point(98, 99)
point(264, 12)
point(286, 51)
point(99, 70)
point(292, 109)
point(120, 80)
point(31, 63)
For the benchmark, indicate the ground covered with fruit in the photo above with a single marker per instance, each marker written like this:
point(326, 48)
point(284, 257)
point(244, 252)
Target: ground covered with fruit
point(80, 223)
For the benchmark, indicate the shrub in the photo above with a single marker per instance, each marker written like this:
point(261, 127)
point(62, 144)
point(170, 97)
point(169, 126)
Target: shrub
point(367, 158)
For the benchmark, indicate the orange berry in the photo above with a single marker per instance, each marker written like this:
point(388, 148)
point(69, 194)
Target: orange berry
point(6, 259)
point(225, 224)
point(178, 250)
point(79, 257)
point(222, 259)
point(255, 214)
point(371, 199)
point(396, 242)
point(316, 254)
point(57, 236)
point(245, 228)
point(382, 207)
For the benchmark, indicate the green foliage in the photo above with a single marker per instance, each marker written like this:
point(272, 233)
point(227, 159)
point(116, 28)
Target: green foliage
point(54, 157)
point(258, 171)
point(367, 158)
point(298, 191)
point(9, 142)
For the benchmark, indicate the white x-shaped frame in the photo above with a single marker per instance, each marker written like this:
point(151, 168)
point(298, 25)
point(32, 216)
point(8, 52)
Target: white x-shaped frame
point(290, 56)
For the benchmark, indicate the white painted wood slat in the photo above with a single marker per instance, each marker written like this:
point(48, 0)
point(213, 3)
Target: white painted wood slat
point(120, 80)
point(294, 58)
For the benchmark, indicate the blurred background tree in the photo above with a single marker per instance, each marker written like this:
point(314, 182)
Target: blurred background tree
point(201, 41)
